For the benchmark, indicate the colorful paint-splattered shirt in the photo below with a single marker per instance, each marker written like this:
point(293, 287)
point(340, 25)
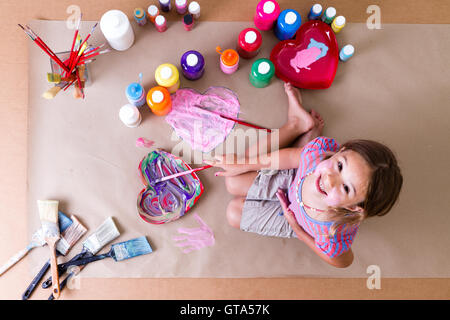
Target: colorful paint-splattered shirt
point(312, 154)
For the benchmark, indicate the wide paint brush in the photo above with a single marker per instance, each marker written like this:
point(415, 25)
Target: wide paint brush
point(119, 252)
point(37, 240)
point(68, 239)
point(104, 234)
point(48, 213)
point(179, 174)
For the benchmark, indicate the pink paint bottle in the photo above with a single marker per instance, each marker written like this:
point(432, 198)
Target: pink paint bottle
point(181, 6)
point(249, 43)
point(229, 60)
point(160, 23)
point(267, 12)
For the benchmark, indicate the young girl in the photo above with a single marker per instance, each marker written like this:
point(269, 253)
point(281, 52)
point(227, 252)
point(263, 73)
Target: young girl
point(331, 189)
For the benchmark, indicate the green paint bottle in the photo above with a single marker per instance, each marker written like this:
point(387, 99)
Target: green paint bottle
point(262, 72)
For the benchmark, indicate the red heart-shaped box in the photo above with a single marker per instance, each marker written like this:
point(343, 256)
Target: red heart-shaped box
point(310, 60)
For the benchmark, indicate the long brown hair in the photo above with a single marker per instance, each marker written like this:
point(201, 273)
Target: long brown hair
point(384, 185)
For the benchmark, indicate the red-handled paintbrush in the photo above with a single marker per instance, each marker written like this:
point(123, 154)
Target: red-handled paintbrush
point(179, 174)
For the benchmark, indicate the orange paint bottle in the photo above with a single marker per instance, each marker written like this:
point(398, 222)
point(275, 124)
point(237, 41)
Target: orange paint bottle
point(159, 101)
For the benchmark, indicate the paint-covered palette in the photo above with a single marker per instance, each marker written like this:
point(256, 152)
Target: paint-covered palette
point(168, 200)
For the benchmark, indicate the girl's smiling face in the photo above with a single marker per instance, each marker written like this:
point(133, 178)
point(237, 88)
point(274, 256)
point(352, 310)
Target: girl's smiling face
point(342, 180)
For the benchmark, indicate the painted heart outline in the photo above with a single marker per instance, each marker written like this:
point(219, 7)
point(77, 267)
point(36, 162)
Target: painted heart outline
point(310, 60)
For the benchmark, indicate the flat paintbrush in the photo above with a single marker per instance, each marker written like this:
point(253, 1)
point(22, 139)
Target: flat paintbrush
point(179, 174)
point(104, 234)
point(37, 240)
point(68, 239)
point(48, 213)
point(119, 252)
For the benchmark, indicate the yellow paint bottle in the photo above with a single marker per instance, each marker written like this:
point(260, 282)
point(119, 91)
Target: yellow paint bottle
point(167, 76)
point(338, 23)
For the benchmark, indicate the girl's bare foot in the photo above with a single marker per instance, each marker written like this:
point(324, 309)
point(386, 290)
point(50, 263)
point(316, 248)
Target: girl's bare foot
point(315, 132)
point(298, 117)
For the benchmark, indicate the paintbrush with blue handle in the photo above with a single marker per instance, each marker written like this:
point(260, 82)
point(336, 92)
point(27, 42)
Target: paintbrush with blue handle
point(104, 234)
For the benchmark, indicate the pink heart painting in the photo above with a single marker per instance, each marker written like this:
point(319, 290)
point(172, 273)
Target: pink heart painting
point(196, 119)
point(310, 60)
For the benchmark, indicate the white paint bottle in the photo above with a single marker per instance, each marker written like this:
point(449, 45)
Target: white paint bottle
point(130, 116)
point(117, 30)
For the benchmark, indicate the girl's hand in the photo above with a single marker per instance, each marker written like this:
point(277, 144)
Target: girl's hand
point(288, 214)
point(230, 164)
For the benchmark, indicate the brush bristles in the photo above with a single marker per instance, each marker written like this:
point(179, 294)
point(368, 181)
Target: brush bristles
point(70, 236)
point(48, 212)
point(131, 248)
point(104, 234)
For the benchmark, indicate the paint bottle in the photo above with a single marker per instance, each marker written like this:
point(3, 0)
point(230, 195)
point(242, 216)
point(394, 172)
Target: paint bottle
point(188, 22)
point(346, 52)
point(181, 6)
point(229, 60)
point(135, 94)
point(249, 43)
point(160, 23)
point(117, 30)
point(130, 116)
point(261, 73)
point(153, 12)
point(315, 12)
point(287, 24)
point(167, 76)
point(338, 23)
point(140, 17)
point(328, 15)
point(192, 65)
point(165, 5)
point(194, 9)
point(159, 101)
point(267, 12)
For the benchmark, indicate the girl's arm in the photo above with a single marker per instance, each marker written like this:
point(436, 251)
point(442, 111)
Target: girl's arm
point(287, 158)
point(342, 261)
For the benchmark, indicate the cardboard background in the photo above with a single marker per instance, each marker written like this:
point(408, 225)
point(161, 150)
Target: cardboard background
point(13, 175)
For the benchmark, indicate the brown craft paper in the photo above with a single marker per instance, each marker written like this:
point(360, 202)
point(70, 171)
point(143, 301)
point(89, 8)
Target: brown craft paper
point(80, 153)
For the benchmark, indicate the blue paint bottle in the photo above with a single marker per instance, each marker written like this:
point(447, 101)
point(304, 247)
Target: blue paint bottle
point(315, 12)
point(192, 65)
point(135, 93)
point(346, 52)
point(287, 24)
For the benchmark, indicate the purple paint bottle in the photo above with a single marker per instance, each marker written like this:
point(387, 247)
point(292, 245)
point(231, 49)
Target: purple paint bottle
point(165, 5)
point(192, 65)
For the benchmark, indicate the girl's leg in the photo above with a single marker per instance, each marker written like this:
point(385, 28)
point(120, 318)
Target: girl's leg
point(234, 211)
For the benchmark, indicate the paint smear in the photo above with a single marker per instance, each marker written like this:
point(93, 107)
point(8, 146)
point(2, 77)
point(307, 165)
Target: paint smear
point(195, 238)
point(195, 117)
point(168, 200)
point(145, 143)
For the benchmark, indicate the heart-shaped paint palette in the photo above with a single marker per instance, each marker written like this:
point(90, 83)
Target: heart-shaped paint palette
point(196, 119)
point(168, 200)
point(310, 60)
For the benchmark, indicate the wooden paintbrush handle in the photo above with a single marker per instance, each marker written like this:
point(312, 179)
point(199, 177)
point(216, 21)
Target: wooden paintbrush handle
point(54, 268)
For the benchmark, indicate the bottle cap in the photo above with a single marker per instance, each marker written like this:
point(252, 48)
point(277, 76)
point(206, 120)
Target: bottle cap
point(339, 21)
point(269, 7)
point(134, 91)
point(159, 20)
point(166, 73)
point(230, 57)
point(157, 96)
point(152, 10)
point(330, 12)
point(317, 8)
point(138, 12)
point(250, 36)
point(164, 1)
point(263, 67)
point(194, 7)
point(180, 2)
point(191, 60)
point(188, 19)
point(349, 49)
point(290, 17)
point(129, 115)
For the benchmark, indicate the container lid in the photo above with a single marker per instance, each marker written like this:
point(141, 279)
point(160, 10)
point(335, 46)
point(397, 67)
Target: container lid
point(180, 2)
point(339, 21)
point(188, 19)
point(250, 36)
point(129, 114)
point(158, 98)
point(139, 12)
point(114, 23)
point(134, 91)
point(269, 7)
point(290, 17)
point(349, 49)
point(194, 7)
point(317, 8)
point(152, 10)
point(263, 67)
point(229, 57)
point(164, 1)
point(250, 39)
point(166, 75)
point(330, 12)
point(159, 20)
point(191, 60)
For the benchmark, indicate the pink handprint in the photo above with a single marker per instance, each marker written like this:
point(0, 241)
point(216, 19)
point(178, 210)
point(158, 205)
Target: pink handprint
point(195, 238)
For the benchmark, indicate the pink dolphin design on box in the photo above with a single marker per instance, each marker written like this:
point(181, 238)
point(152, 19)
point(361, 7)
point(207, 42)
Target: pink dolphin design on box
point(304, 58)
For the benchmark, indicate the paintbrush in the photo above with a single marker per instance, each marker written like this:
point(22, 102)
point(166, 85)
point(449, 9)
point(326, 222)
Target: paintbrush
point(119, 252)
point(104, 234)
point(234, 119)
point(52, 92)
point(68, 239)
point(48, 213)
point(74, 40)
point(179, 174)
point(83, 47)
point(37, 240)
